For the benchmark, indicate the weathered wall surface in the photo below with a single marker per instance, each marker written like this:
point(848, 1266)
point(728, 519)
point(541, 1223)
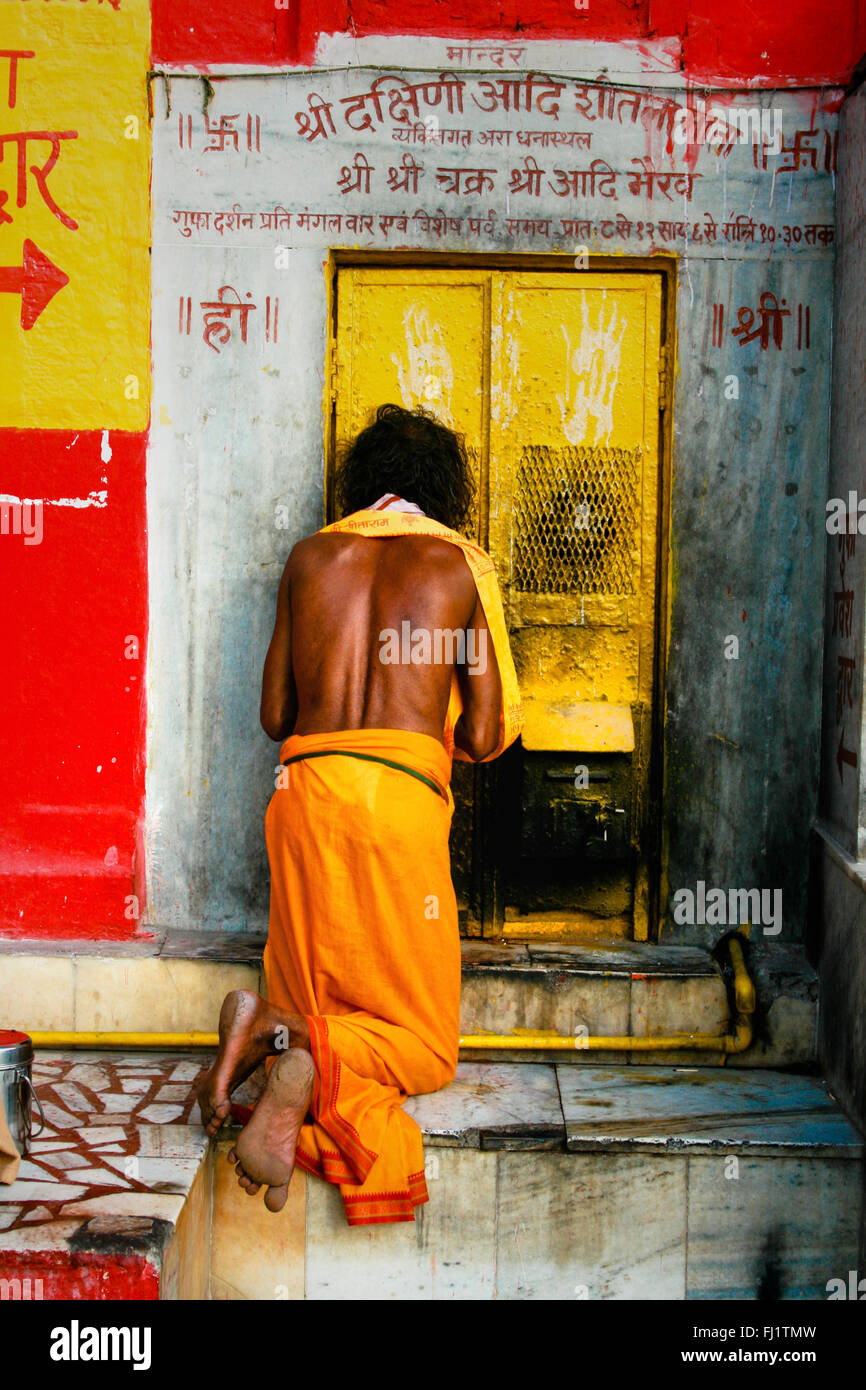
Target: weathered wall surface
point(483, 161)
point(839, 888)
point(843, 786)
point(748, 544)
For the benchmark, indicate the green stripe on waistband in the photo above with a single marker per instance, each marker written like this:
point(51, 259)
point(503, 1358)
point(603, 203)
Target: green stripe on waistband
point(367, 758)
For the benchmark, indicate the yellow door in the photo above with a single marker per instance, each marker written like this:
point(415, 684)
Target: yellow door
point(553, 381)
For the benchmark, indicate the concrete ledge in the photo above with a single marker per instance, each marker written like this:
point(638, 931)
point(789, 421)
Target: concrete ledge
point(168, 983)
point(228, 948)
point(635, 989)
point(753, 1191)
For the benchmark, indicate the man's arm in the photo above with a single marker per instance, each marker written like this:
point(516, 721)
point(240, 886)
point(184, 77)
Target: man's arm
point(477, 729)
point(279, 708)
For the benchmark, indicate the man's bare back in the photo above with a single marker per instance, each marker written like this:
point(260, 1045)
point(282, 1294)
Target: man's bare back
point(330, 666)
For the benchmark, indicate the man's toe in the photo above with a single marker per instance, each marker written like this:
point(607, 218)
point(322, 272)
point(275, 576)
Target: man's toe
point(276, 1197)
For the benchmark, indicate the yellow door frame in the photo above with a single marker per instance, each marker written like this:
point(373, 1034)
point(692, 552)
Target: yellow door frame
point(663, 266)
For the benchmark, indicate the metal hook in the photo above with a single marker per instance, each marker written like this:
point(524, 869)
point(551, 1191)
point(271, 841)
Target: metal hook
point(30, 1135)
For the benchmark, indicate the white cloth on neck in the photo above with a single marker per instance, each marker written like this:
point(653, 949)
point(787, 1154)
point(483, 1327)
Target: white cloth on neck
point(390, 502)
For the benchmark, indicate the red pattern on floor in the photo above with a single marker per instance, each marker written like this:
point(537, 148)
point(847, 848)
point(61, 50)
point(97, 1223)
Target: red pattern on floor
point(111, 1129)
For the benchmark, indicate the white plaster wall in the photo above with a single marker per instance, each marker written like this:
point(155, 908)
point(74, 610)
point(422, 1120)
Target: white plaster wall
point(239, 431)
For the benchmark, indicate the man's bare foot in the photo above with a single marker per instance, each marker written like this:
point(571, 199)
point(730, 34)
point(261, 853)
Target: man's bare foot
point(250, 1030)
point(265, 1151)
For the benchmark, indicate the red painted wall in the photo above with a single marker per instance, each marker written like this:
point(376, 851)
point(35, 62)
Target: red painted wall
point(72, 706)
point(84, 1275)
point(735, 41)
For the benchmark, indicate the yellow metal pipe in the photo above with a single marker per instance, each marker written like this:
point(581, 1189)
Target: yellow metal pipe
point(737, 1041)
point(744, 989)
point(132, 1040)
point(516, 1042)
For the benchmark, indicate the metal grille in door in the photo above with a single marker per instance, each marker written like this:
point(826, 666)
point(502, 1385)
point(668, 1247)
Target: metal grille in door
point(576, 517)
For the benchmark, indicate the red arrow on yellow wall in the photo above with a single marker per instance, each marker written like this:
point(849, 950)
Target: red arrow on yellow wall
point(37, 280)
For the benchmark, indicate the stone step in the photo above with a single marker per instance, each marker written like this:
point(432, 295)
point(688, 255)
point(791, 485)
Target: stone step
point(546, 1182)
point(176, 981)
point(600, 1183)
point(634, 988)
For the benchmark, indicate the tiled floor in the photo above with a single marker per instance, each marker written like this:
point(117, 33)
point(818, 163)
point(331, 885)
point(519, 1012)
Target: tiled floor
point(119, 1127)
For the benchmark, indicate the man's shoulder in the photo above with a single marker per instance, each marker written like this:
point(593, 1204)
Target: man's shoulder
point(445, 555)
point(312, 548)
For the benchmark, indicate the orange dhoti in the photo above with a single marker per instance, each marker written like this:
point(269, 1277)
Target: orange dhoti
point(363, 941)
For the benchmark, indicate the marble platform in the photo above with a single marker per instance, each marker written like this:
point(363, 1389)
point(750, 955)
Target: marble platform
point(545, 1182)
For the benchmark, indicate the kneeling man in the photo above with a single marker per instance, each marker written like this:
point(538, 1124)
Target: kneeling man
point(389, 657)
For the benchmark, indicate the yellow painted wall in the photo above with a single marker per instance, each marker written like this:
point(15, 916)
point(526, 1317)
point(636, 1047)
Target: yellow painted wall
point(72, 367)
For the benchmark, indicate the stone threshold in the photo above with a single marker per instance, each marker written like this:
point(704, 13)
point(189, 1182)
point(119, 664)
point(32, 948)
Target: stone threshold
point(228, 948)
point(246, 948)
point(610, 1109)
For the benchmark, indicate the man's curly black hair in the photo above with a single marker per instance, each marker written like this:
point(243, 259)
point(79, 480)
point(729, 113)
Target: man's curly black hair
point(411, 453)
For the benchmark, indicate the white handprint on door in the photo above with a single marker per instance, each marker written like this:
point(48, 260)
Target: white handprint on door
point(426, 376)
point(592, 368)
